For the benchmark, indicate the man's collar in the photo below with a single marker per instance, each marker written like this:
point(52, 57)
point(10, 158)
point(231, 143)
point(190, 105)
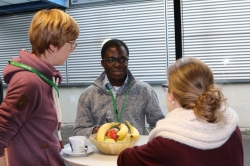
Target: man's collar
point(106, 80)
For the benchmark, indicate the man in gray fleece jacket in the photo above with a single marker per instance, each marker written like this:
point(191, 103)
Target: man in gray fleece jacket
point(116, 95)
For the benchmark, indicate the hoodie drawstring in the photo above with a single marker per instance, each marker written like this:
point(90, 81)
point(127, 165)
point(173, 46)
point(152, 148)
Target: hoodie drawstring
point(58, 110)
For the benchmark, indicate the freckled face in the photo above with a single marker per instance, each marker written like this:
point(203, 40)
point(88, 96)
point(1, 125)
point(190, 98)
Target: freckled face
point(62, 55)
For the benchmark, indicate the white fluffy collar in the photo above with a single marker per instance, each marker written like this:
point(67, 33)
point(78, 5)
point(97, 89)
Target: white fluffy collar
point(182, 126)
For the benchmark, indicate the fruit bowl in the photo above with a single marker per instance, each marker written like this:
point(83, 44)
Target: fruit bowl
point(112, 148)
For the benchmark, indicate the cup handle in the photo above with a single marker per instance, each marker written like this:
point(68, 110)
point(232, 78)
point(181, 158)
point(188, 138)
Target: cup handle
point(71, 147)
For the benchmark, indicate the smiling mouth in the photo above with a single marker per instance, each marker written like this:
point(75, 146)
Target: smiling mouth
point(117, 72)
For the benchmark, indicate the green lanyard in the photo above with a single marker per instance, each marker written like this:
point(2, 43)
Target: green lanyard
point(36, 72)
point(114, 103)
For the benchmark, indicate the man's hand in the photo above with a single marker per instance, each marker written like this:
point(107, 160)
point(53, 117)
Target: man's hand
point(95, 130)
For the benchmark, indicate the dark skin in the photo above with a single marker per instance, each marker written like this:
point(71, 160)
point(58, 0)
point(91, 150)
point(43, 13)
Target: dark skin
point(116, 72)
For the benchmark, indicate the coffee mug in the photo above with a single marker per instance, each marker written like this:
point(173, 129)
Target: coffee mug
point(77, 143)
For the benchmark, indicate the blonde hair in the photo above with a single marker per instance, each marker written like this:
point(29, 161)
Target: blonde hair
point(192, 83)
point(51, 26)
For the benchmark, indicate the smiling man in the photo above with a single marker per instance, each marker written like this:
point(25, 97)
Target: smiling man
point(116, 96)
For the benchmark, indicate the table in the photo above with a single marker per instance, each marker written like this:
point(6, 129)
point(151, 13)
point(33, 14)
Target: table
point(96, 158)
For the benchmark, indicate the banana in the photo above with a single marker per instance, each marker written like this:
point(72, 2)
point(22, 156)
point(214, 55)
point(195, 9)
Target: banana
point(122, 132)
point(134, 133)
point(125, 139)
point(103, 129)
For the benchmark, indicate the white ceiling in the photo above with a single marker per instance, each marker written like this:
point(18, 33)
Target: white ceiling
point(12, 2)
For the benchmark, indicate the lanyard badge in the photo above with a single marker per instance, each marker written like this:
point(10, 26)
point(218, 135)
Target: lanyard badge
point(118, 117)
point(43, 77)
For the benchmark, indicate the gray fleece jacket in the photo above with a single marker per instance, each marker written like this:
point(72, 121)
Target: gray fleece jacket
point(142, 104)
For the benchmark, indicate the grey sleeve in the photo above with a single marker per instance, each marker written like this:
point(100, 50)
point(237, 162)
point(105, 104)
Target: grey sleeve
point(153, 110)
point(84, 122)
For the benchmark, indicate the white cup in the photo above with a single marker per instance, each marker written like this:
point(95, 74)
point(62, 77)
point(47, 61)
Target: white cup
point(77, 143)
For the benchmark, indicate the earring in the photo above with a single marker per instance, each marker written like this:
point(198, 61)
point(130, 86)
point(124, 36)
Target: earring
point(172, 102)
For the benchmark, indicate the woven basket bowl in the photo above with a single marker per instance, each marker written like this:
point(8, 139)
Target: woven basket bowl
point(112, 148)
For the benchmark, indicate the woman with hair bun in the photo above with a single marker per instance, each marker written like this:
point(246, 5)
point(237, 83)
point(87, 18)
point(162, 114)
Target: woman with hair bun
point(199, 130)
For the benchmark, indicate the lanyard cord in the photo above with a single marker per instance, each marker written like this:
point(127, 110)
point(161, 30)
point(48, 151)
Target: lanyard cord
point(43, 77)
point(114, 103)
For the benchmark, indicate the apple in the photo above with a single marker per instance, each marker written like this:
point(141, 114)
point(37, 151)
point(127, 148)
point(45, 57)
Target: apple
point(111, 133)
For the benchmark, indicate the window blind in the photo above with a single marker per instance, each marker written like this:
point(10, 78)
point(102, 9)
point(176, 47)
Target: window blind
point(140, 24)
point(218, 33)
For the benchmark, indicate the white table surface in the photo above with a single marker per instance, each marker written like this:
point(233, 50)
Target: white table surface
point(96, 158)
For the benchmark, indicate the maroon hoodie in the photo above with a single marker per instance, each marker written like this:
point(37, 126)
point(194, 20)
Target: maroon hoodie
point(28, 117)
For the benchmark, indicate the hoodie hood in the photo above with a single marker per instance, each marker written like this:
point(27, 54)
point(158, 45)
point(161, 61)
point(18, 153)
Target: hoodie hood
point(27, 58)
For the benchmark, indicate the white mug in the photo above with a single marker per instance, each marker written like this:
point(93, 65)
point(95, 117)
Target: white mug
point(77, 143)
